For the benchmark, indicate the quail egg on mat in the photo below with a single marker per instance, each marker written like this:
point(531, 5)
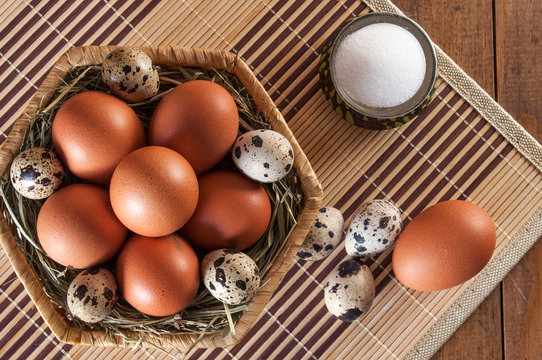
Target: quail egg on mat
point(263, 155)
point(375, 227)
point(36, 173)
point(350, 290)
point(230, 276)
point(130, 74)
point(324, 235)
point(92, 294)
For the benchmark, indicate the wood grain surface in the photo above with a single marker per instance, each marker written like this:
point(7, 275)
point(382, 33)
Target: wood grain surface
point(497, 44)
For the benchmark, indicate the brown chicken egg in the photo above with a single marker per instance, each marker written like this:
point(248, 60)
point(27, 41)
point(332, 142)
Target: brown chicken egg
point(233, 212)
point(154, 191)
point(199, 120)
point(92, 132)
point(158, 276)
point(443, 246)
point(77, 227)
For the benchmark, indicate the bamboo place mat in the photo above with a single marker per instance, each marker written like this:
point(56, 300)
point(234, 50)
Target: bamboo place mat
point(463, 147)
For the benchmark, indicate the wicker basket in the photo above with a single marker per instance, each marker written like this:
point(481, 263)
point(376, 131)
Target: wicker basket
point(167, 56)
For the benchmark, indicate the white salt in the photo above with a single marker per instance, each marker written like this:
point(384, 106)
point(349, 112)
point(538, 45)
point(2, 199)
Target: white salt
point(380, 65)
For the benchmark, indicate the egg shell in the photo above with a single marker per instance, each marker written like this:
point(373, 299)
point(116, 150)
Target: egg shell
point(324, 235)
point(92, 294)
point(154, 191)
point(230, 276)
point(263, 155)
point(199, 120)
point(444, 246)
point(350, 290)
point(233, 212)
point(92, 132)
point(130, 74)
point(374, 228)
point(76, 226)
point(36, 173)
point(158, 276)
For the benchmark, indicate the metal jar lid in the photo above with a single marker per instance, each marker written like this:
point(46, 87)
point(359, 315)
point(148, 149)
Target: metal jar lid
point(430, 57)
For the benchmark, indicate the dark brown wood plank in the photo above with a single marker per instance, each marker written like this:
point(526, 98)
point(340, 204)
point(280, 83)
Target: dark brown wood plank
point(518, 51)
point(519, 71)
point(522, 307)
point(464, 30)
point(480, 337)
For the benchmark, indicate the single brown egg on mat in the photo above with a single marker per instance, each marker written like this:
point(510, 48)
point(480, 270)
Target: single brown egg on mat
point(444, 246)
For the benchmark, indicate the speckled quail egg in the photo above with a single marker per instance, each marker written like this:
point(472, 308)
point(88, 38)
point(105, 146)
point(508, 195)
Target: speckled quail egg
point(130, 74)
point(36, 173)
point(350, 290)
point(324, 235)
point(374, 227)
point(230, 275)
point(92, 294)
point(263, 155)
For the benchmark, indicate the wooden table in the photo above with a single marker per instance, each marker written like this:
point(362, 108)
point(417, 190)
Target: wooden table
point(497, 43)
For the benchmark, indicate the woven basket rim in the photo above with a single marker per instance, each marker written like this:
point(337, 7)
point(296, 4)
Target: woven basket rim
point(167, 56)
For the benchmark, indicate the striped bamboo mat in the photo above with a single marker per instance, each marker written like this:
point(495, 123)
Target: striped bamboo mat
point(452, 151)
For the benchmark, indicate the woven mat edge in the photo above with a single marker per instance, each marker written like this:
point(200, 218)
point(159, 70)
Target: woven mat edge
point(484, 283)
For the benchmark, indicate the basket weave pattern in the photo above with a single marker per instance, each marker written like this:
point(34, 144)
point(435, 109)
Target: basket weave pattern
point(172, 57)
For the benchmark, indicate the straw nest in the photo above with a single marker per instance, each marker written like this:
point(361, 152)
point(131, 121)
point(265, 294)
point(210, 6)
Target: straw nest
point(205, 315)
